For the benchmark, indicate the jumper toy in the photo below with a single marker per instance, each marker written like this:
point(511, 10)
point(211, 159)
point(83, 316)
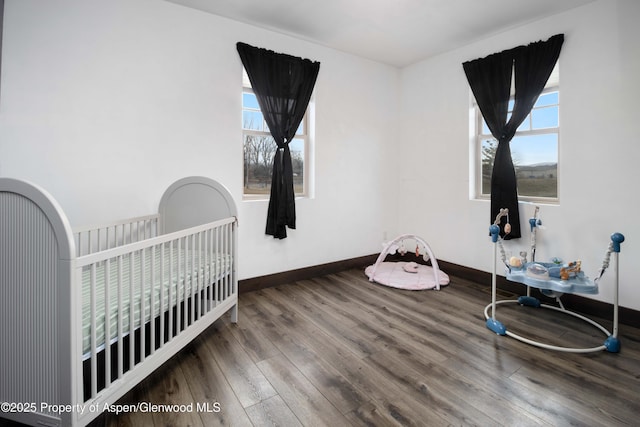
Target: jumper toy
point(553, 280)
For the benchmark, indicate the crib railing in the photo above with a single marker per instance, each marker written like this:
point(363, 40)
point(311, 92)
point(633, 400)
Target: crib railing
point(170, 283)
point(92, 239)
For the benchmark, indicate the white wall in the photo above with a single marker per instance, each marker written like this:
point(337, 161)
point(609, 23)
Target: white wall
point(106, 103)
point(599, 147)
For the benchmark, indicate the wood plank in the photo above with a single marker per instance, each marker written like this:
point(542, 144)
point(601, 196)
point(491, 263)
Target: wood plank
point(308, 404)
point(369, 414)
point(437, 385)
point(173, 391)
point(295, 346)
point(256, 345)
point(272, 412)
point(594, 406)
point(209, 387)
point(396, 329)
point(241, 372)
point(140, 393)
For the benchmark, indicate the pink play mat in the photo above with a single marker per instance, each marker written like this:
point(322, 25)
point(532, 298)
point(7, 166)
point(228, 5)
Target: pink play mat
point(407, 275)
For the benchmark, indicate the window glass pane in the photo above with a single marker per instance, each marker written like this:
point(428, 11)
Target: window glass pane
point(485, 128)
point(488, 153)
point(296, 146)
point(546, 117)
point(252, 120)
point(525, 125)
point(249, 100)
point(300, 130)
point(550, 98)
point(535, 159)
point(534, 149)
point(258, 163)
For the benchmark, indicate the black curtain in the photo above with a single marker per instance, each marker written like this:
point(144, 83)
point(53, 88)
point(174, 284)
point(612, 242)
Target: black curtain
point(490, 81)
point(283, 85)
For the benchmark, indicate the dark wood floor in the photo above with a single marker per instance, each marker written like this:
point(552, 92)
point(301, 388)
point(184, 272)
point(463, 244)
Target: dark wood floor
point(338, 351)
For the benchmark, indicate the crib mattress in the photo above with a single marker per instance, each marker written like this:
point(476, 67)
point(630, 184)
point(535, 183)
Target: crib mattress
point(169, 283)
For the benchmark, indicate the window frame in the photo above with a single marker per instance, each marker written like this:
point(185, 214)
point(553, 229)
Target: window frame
point(304, 136)
point(478, 137)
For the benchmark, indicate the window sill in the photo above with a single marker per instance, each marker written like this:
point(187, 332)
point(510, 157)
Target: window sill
point(550, 201)
point(265, 198)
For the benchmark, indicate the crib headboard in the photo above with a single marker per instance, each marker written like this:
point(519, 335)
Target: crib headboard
point(192, 201)
point(36, 256)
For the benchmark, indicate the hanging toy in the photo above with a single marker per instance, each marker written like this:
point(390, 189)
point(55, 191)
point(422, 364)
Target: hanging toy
point(417, 251)
point(507, 226)
point(495, 233)
point(402, 250)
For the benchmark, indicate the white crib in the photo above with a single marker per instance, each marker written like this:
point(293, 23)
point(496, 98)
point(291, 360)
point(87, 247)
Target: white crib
point(86, 314)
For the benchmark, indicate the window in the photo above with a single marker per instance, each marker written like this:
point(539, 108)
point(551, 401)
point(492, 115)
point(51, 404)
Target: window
point(534, 148)
point(259, 149)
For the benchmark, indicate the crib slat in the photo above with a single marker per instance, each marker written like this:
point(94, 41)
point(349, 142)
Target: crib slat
point(227, 275)
point(185, 293)
point(131, 311)
point(227, 245)
point(142, 305)
point(152, 323)
point(161, 303)
point(212, 269)
point(171, 327)
point(196, 262)
point(200, 277)
point(217, 285)
point(203, 273)
point(178, 294)
point(107, 322)
point(194, 279)
point(224, 276)
point(223, 281)
point(79, 245)
point(120, 315)
point(219, 278)
point(228, 248)
point(92, 302)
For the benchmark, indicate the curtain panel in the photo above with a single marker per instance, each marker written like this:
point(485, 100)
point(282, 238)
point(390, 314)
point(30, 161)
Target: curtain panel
point(490, 82)
point(283, 85)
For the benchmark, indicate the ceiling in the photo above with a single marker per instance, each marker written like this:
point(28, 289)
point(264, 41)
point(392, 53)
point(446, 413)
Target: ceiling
point(395, 32)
